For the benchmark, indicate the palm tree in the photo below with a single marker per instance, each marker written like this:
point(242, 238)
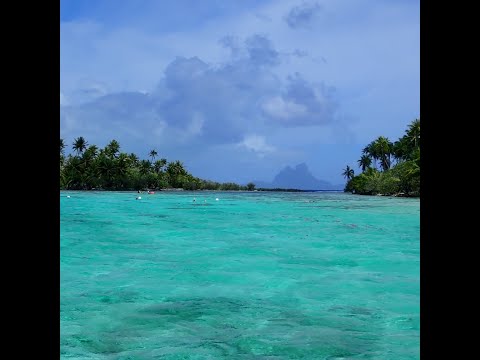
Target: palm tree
point(159, 164)
point(383, 150)
point(105, 169)
point(176, 168)
point(371, 152)
point(112, 149)
point(62, 154)
point(133, 159)
point(153, 154)
point(164, 162)
point(122, 165)
point(413, 132)
point(79, 144)
point(91, 151)
point(62, 146)
point(405, 147)
point(365, 162)
point(399, 150)
point(176, 173)
point(348, 173)
point(145, 166)
point(88, 157)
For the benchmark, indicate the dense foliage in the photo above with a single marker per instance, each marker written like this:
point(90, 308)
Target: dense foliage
point(396, 166)
point(109, 169)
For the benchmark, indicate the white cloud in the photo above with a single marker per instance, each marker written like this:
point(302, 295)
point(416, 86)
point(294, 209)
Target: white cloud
point(276, 107)
point(302, 104)
point(257, 144)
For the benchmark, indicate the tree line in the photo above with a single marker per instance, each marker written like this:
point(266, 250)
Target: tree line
point(94, 168)
point(388, 168)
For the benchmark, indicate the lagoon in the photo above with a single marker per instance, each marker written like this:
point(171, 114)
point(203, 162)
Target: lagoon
point(254, 275)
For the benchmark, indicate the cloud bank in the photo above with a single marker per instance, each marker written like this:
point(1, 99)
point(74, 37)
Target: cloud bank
point(200, 104)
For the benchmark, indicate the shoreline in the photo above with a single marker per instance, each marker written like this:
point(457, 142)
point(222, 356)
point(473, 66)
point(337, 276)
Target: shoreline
point(402, 195)
point(201, 190)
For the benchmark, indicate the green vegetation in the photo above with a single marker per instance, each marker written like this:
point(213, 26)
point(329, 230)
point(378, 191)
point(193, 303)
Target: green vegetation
point(401, 179)
point(109, 169)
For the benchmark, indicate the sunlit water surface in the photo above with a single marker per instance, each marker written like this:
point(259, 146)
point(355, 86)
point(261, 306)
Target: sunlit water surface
point(252, 275)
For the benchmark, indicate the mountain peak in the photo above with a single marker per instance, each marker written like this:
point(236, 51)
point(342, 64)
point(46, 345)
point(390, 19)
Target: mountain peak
point(302, 167)
point(300, 178)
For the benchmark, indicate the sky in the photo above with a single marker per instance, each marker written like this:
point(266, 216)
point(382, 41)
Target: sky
point(237, 90)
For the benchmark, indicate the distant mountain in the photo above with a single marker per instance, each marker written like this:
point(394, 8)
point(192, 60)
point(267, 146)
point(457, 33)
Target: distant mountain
point(298, 178)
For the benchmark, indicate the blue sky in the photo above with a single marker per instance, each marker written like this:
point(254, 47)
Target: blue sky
point(237, 90)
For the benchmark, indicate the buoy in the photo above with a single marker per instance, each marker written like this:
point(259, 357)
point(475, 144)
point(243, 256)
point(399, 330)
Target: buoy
point(216, 199)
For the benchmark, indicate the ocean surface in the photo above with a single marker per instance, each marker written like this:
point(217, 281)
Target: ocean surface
point(252, 275)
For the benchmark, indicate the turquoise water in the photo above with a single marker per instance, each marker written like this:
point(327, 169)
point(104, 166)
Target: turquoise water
point(250, 276)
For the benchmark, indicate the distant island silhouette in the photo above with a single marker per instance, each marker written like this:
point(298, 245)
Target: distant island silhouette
point(299, 178)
